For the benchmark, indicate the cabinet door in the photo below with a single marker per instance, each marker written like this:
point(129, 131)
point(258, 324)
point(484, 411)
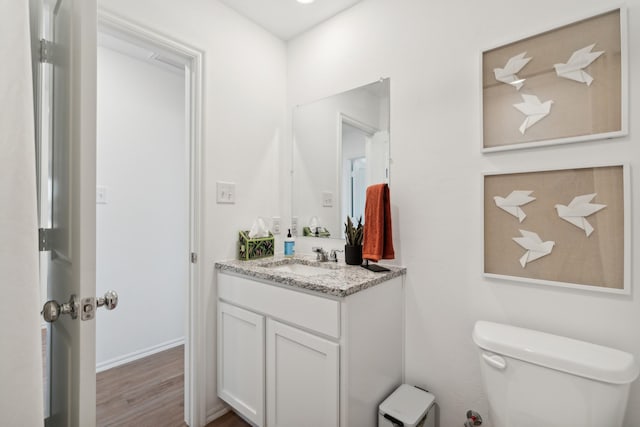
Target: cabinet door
point(302, 378)
point(241, 361)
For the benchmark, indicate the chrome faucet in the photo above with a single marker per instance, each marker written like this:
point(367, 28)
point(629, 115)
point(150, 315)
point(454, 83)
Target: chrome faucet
point(333, 256)
point(322, 255)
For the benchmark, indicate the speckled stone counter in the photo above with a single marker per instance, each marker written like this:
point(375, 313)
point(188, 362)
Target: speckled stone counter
point(340, 280)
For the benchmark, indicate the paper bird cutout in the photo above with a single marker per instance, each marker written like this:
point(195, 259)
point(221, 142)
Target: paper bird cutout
point(578, 210)
point(533, 109)
point(535, 247)
point(574, 68)
point(508, 73)
point(513, 201)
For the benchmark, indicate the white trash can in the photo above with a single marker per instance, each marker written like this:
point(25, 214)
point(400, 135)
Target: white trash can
point(408, 406)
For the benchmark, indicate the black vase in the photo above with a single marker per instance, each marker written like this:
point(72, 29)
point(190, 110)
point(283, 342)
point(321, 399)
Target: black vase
point(353, 254)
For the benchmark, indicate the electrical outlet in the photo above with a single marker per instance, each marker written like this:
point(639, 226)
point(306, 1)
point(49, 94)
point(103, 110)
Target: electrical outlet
point(327, 199)
point(275, 225)
point(225, 192)
point(101, 195)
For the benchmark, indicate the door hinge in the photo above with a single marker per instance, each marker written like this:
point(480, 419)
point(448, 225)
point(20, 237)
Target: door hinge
point(46, 51)
point(194, 257)
point(44, 239)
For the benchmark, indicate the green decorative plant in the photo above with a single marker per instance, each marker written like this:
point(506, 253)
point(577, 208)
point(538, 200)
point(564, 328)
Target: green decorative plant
point(353, 234)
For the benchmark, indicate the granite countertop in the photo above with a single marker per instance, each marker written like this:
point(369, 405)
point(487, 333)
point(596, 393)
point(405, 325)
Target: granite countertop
point(340, 279)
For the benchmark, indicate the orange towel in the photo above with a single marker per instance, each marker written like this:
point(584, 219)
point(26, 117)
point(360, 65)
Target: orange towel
point(378, 239)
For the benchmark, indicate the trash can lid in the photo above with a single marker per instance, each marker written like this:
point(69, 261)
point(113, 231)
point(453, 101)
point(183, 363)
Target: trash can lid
point(407, 404)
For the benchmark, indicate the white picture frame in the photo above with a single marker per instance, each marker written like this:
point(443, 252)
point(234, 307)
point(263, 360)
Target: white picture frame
point(578, 111)
point(599, 261)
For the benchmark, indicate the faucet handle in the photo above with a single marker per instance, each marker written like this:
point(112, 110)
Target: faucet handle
point(321, 253)
point(333, 256)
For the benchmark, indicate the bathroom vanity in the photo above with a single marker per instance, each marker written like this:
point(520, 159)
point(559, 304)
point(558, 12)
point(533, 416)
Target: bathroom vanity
point(308, 343)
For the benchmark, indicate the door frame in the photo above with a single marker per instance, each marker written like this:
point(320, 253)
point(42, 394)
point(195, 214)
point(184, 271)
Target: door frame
point(345, 119)
point(195, 396)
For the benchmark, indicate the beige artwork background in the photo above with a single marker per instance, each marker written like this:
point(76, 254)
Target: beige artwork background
point(597, 260)
point(578, 109)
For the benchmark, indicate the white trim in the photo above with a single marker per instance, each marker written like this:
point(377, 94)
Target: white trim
point(135, 355)
point(366, 128)
point(214, 414)
point(342, 119)
point(195, 391)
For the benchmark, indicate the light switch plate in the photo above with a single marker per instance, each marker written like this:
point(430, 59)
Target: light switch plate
point(225, 192)
point(275, 225)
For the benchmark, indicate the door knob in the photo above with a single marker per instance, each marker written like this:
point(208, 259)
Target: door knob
point(89, 305)
point(109, 300)
point(52, 310)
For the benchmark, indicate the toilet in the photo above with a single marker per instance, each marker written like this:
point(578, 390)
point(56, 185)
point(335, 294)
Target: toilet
point(535, 379)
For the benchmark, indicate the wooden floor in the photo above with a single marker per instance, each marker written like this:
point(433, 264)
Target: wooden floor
point(148, 392)
point(229, 419)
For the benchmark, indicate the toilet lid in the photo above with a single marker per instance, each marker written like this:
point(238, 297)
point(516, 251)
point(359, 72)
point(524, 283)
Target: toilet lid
point(556, 352)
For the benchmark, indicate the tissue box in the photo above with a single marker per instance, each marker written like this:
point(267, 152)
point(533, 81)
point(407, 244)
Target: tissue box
point(258, 247)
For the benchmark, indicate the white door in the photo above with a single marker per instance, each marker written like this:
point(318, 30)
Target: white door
point(67, 117)
point(302, 378)
point(241, 361)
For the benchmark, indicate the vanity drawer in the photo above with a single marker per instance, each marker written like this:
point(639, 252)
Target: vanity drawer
point(312, 312)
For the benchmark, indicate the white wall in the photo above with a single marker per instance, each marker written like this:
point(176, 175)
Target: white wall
point(142, 230)
point(244, 101)
point(430, 50)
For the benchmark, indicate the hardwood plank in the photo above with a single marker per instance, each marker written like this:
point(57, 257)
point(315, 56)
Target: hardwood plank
point(230, 419)
point(146, 392)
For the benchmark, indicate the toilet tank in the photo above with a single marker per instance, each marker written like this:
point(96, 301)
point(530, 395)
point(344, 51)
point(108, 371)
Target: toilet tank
point(535, 379)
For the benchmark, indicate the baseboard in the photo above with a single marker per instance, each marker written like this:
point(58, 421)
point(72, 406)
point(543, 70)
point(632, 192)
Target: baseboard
point(121, 360)
point(215, 413)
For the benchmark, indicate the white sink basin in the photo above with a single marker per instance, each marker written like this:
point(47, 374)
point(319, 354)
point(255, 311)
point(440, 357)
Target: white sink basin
point(299, 269)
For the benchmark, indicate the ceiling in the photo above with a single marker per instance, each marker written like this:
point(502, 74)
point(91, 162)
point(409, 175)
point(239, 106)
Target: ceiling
point(288, 18)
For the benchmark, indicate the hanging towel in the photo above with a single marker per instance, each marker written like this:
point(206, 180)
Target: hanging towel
point(21, 400)
point(378, 239)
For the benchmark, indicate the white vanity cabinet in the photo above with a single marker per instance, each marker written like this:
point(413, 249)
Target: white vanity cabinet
point(241, 356)
point(288, 357)
point(303, 372)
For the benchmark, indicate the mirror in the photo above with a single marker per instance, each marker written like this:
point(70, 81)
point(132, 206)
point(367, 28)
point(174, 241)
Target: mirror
point(340, 147)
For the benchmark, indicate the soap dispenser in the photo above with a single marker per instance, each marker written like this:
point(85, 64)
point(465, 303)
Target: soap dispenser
point(289, 245)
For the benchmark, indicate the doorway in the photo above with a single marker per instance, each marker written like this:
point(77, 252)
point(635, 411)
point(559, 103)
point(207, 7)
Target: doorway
point(66, 153)
point(359, 149)
point(147, 224)
point(142, 224)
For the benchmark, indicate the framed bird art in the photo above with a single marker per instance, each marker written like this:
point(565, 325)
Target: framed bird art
point(567, 227)
point(565, 84)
